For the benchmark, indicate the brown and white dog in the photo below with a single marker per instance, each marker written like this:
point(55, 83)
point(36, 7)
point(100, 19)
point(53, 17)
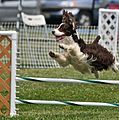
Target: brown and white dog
point(86, 58)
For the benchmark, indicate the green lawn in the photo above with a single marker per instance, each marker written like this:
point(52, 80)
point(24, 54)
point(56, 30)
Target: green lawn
point(66, 91)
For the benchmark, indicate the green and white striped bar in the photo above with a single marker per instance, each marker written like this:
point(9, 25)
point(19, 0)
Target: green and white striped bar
point(113, 82)
point(66, 103)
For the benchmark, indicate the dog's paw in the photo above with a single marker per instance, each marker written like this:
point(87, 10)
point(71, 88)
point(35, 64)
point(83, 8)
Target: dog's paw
point(52, 54)
point(61, 46)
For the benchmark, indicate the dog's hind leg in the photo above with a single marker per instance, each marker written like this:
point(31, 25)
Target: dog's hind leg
point(60, 58)
point(95, 73)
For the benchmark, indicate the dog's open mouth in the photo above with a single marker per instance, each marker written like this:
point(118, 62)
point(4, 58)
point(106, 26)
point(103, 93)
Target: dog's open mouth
point(58, 38)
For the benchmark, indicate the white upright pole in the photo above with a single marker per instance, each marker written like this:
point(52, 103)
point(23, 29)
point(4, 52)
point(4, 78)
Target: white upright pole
point(13, 74)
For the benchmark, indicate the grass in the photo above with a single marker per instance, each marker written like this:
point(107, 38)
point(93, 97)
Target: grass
point(65, 91)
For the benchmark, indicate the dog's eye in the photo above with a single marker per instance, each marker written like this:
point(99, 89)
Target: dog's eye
point(62, 27)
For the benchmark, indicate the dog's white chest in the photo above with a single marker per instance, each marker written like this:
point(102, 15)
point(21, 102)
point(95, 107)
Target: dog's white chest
point(80, 64)
point(78, 59)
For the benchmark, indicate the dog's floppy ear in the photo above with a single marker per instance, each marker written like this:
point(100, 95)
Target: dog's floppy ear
point(69, 18)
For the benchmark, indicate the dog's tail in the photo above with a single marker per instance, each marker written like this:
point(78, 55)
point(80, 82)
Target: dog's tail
point(96, 40)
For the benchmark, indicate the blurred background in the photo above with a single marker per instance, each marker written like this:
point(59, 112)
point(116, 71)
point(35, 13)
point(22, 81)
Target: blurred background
point(85, 11)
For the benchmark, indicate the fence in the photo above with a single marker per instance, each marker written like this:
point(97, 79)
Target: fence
point(34, 46)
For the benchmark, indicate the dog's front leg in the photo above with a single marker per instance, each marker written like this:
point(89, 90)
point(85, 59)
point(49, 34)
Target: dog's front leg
point(69, 48)
point(61, 58)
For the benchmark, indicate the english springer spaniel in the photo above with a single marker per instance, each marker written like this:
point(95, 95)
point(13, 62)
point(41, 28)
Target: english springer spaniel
point(86, 58)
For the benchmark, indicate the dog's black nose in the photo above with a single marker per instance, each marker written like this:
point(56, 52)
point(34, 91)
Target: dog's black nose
point(53, 32)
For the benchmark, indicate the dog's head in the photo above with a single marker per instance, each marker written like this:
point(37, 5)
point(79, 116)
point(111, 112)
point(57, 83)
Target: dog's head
point(66, 28)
